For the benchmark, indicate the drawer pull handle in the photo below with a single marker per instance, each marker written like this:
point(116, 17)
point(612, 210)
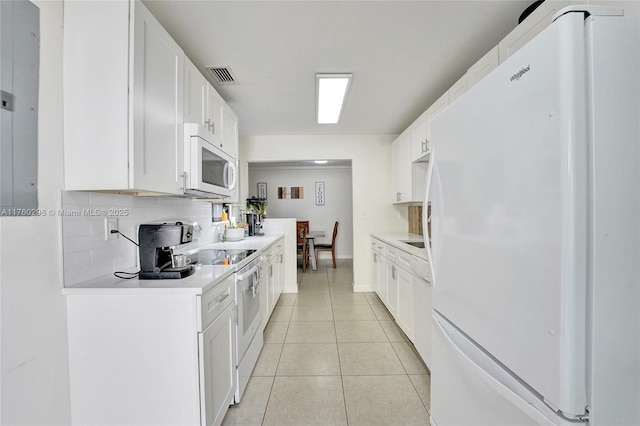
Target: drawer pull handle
point(222, 297)
point(217, 301)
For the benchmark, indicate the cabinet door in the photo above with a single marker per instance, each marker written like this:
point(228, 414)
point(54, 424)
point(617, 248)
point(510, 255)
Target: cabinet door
point(195, 91)
point(401, 177)
point(375, 278)
point(483, 67)
point(230, 146)
point(458, 88)
point(96, 95)
point(382, 279)
point(422, 307)
point(214, 116)
point(419, 138)
point(157, 106)
point(272, 284)
point(406, 169)
point(435, 109)
point(392, 288)
point(279, 274)
point(529, 28)
point(405, 302)
point(230, 128)
point(396, 164)
point(217, 366)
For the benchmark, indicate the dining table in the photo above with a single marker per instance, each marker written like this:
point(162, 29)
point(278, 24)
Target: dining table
point(311, 236)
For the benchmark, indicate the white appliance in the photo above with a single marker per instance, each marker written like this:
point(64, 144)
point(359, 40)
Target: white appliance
point(535, 198)
point(249, 341)
point(209, 172)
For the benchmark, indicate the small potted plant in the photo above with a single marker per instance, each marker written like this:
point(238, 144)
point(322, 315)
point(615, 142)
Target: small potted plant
point(257, 205)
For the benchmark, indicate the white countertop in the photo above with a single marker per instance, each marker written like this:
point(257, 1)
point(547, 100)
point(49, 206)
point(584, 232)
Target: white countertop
point(396, 239)
point(205, 276)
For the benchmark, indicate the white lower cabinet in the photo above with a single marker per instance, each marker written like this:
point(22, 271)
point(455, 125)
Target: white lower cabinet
point(393, 282)
point(217, 362)
point(151, 356)
point(391, 275)
point(377, 267)
point(405, 301)
point(279, 271)
point(422, 307)
point(271, 280)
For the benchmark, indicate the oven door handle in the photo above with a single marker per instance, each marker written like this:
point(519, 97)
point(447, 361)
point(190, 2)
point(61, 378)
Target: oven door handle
point(246, 274)
point(257, 279)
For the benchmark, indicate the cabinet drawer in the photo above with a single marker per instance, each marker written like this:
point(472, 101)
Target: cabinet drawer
point(391, 252)
point(404, 260)
point(214, 301)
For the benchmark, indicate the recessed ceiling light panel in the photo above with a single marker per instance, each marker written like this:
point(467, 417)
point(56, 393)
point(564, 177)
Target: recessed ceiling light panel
point(331, 91)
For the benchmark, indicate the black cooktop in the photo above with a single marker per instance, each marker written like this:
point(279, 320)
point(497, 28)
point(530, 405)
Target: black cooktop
point(220, 257)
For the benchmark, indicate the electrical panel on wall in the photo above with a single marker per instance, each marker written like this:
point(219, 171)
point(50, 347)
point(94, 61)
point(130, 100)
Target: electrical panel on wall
point(19, 79)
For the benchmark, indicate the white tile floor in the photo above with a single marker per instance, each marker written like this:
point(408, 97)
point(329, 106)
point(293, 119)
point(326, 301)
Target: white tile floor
point(334, 357)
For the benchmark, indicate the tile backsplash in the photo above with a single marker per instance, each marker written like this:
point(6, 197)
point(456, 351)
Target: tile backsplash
point(86, 253)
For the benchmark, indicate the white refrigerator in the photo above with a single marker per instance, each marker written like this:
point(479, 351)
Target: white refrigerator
point(534, 186)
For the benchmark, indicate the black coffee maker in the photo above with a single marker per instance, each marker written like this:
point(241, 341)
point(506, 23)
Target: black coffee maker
point(256, 207)
point(156, 245)
point(254, 220)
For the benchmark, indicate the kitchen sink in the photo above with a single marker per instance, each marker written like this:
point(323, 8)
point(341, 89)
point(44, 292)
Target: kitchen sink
point(419, 244)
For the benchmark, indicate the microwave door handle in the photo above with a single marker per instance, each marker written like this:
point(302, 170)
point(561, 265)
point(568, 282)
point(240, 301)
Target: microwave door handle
point(225, 174)
point(233, 173)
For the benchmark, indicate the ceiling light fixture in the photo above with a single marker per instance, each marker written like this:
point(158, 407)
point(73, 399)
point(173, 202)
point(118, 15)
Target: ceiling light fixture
point(320, 161)
point(331, 90)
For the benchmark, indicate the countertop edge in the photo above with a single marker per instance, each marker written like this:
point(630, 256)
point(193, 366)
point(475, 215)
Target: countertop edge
point(395, 239)
point(205, 277)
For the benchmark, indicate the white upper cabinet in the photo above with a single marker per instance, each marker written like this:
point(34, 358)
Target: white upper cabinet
point(435, 109)
point(458, 88)
point(214, 116)
point(230, 145)
point(483, 67)
point(122, 116)
point(230, 129)
point(401, 175)
point(203, 105)
point(538, 20)
point(419, 145)
point(195, 89)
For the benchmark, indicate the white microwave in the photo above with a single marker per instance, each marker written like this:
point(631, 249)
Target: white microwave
point(209, 172)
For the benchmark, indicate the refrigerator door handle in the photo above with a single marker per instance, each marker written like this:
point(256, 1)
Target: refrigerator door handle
point(512, 392)
point(433, 195)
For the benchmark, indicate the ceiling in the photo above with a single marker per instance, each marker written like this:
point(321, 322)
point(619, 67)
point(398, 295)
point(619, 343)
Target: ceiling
point(403, 55)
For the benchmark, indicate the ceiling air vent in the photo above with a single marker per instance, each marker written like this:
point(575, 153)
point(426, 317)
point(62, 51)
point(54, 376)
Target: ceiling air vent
point(223, 75)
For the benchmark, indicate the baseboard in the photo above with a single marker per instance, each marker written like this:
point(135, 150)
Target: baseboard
point(362, 288)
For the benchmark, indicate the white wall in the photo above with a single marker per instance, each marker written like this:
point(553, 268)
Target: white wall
point(370, 157)
point(35, 384)
point(86, 253)
point(337, 207)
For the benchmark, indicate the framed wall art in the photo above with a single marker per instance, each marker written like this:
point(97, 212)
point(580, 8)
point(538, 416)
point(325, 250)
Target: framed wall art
point(320, 195)
point(262, 189)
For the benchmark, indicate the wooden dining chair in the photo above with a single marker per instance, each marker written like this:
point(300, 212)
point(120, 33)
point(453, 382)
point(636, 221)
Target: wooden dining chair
point(302, 229)
point(330, 247)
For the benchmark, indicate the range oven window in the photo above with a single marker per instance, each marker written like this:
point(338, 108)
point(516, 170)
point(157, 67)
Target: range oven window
point(250, 303)
point(249, 314)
